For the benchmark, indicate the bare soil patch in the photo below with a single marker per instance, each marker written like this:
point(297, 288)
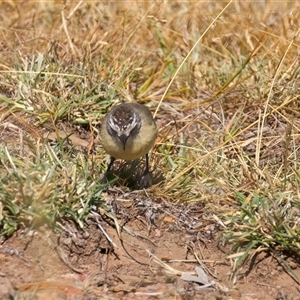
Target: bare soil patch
point(80, 263)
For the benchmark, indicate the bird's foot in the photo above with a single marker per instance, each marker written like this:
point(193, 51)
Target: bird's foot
point(104, 179)
point(146, 180)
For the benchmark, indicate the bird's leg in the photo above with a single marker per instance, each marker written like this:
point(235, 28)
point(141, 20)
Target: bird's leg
point(146, 179)
point(110, 164)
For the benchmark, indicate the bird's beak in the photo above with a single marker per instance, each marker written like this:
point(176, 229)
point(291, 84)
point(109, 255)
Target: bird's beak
point(123, 138)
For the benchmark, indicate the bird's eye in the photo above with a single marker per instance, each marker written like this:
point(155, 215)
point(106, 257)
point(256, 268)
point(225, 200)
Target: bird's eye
point(134, 129)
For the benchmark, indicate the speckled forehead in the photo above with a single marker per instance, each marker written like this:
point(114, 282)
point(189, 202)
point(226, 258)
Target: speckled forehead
point(123, 118)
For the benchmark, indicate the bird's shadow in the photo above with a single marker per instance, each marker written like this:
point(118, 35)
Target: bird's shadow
point(130, 173)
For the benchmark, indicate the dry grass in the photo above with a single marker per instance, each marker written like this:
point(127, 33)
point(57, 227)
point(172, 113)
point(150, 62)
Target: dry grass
point(229, 121)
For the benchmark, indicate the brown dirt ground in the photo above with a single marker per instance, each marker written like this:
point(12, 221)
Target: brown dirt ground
point(83, 264)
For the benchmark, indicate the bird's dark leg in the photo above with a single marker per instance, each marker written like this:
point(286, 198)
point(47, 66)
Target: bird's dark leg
point(110, 164)
point(147, 165)
point(146, 179)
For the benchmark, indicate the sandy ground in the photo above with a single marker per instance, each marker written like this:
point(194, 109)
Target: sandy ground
point(157, 242)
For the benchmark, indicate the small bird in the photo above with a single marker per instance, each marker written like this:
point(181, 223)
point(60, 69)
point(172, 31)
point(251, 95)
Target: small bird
point(128, 132)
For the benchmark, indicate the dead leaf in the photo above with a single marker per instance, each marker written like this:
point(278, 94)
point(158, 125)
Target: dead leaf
point(201, 277)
